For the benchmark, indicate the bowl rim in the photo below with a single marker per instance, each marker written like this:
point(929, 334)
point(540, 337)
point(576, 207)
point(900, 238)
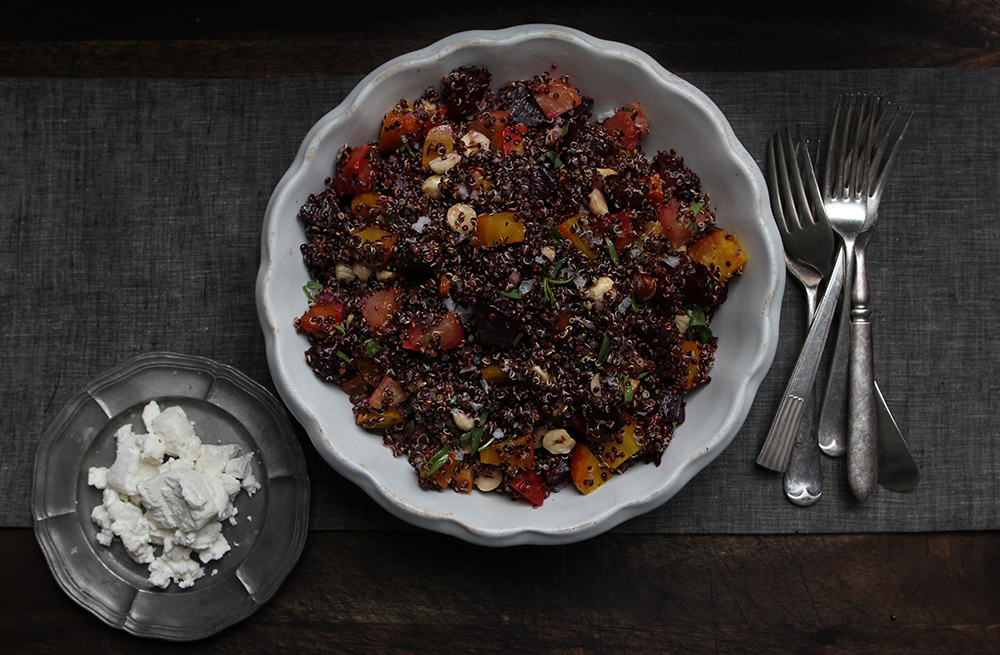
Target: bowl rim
point(605, 517)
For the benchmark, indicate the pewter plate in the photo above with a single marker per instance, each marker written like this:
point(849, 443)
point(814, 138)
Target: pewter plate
point(267, 540)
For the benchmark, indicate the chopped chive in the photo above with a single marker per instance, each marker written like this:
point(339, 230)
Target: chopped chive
point(611, 249)
point(517, 339)
point(475, 436)
point(344, 356)
point(602, 356)
point(309, 287)
point(436, 461)
point(628, 393)
point(698, 329)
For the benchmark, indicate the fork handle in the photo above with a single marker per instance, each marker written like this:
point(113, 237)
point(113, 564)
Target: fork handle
point(862, 440)
point(831, 431)
point(777, 447)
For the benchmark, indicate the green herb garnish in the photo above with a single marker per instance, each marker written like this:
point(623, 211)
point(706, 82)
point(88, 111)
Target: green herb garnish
point(436, 461)
point(513, 293)
point(547, 295)
point(344, 356)
point(475, 436)
point(554, 158)
point(408, 150)
point(611, 249)
point(517, 339)
point(602, 356)
point(628, 393)
point(698, 329)
point(371, 347)
point(310, 286)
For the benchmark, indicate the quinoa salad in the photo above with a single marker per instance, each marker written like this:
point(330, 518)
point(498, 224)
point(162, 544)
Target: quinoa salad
point(512, 293)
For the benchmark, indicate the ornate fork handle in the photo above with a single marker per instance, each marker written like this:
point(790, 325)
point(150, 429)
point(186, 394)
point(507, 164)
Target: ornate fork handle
point(778, 446)
point(862, 444)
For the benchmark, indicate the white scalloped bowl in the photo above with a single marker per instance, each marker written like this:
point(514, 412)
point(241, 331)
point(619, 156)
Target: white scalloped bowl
point(680, 117)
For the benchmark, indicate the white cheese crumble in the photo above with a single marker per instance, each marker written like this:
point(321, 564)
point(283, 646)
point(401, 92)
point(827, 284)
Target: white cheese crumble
point(166, 488)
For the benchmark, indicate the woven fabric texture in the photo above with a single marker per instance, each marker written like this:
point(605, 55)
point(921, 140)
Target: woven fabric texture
point(130, 221)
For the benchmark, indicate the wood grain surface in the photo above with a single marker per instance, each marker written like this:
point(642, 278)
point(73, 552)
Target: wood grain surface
point(273, 39)
point(370, 592)
point(360, 592)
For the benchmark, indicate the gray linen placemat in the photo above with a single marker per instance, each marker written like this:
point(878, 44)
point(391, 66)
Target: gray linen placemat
point(131, 210)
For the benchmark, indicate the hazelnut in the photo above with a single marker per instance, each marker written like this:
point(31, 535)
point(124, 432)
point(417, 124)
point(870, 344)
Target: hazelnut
point(558, 442)
point(460, 218)
point(432, 187)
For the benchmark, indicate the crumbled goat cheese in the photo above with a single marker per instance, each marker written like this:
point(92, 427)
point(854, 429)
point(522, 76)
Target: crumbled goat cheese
point(178, 503)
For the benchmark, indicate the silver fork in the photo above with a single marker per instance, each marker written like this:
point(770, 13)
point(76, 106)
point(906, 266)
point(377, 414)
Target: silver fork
point(777, 448)
point(852, 188)
point(809, 245)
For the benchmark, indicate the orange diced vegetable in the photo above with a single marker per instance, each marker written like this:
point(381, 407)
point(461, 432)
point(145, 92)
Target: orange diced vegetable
point(509, 140)
point(388, 393)
point(380, 308)
point(587, 471)
point(720, 252)
point(627, 126)
point(561, 326)
point(500, 228)
point(321, 318)
point(439, 142)
point(655, 187)
point(363, 203)
point(366, 379)
point(676, 227)
point(519, 452)
point(354, 385)
point(463, 477)
point(590, 471)
point(446, 335)
point(494, 374)
point(354, 173)
point(377, 244)
point(379, 421)
point(621, 447)
point(691, 348)
point(554, 96)
point(491, 123)
point(442, 476)
point(403, 122)
point(570, 229)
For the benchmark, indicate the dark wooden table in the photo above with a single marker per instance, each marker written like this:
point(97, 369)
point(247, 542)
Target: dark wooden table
point(369, 592)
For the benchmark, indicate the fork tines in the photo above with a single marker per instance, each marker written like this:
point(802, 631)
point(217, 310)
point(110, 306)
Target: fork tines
point(858, 139)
